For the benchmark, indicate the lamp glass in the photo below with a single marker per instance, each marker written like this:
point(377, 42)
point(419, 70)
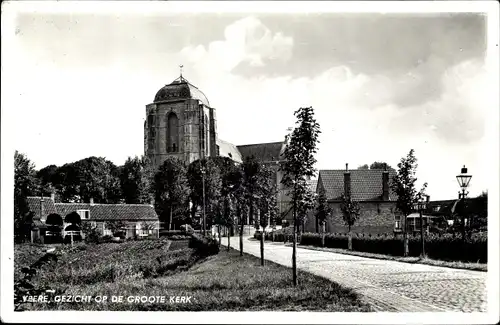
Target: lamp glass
point(463, 180)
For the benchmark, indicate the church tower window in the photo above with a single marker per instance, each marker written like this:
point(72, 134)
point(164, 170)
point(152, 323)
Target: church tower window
point(172, 133)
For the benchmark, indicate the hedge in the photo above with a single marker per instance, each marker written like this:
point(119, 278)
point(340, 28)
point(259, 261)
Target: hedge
point(445, 247)
point(204, 246)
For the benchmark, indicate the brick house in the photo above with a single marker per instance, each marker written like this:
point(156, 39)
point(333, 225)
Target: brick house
point(371, 189)
point(138, 220)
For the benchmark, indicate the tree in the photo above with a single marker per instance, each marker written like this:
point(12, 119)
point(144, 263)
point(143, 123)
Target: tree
point(208, 184)
point(117, 227)
point(323, 211)
point(250, 169)
point(350, 213)
point(266, 190)
point(365, 166)
point(92, 177)
point(403, 185)
point(25, 184)
point(380, 165)
point(171, 191)
point(298, 165)
point(135, 180)
point(230, 181)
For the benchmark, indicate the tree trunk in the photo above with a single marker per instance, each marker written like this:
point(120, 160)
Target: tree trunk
point(323, 231)
point(241, 239)
point(405, 238)
point(349, 240)
point(262, 248)
point(422, 238)
point(317, 225)
point(294, 252)
point(170, 220)
point(220, 235)
point(228, 240)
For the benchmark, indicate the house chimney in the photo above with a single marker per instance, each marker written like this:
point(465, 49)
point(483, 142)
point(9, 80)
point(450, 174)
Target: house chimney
point(53, 196)
point(385, 184)
point(347, 181)
point(91, 201)
point(152, 202)
point(42, 209)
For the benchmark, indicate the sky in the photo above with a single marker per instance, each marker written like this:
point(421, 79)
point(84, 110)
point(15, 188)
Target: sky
point(380, 84)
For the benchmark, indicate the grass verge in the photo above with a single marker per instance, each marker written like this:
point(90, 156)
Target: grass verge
point(414, 260)
point(225, 282)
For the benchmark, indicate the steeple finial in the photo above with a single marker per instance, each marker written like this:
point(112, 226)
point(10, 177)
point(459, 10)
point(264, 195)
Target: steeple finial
point(181, 66)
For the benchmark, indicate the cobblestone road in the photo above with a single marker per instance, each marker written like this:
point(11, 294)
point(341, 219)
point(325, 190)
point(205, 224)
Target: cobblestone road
point(386, 285)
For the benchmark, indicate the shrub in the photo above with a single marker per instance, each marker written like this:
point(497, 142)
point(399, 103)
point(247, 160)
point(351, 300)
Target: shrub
point(442, 247)
point(204, 246)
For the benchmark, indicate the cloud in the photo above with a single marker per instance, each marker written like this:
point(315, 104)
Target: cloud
point(246, 41)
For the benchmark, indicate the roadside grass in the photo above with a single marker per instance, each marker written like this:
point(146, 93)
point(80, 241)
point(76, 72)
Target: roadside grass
point(224, 282)
point(414, 260)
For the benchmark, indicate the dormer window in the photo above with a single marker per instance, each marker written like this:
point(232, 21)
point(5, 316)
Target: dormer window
point(84, 214)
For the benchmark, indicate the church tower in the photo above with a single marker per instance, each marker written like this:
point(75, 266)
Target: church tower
point(179, 123)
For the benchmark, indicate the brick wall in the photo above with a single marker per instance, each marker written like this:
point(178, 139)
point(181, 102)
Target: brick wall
point(374, 218)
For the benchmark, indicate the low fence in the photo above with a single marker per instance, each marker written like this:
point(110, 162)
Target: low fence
point(445, 247)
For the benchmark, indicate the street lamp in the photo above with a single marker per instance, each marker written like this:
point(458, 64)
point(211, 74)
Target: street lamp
point(463, 181)
point(420, 206)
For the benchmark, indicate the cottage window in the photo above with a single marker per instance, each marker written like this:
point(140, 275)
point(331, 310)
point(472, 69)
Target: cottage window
point(93, 224)
point(397, 222)
point(84, 214)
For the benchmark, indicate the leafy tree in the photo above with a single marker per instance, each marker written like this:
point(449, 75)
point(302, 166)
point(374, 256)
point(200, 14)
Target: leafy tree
point(380, 165)
point(117, 227)
point(92, 177)
point(171, 191)
point(250, 169)
point(403, 185)
point(323, 211)
point(376, 165)
point(25, 184)
point(209, 184)
point(267, 204)
point(135, 180)
point(47, 177)
point(350, 213)
point(230, 181)
point(298, 165)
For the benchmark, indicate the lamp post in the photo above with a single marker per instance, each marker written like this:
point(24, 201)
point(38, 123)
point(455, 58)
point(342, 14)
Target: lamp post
point(420, 206)
point(463, 181)
point(203, 195)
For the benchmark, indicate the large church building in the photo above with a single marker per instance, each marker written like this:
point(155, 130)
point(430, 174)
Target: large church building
point(181, 123)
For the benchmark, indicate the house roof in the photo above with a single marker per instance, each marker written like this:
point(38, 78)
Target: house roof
point(227, 149)
point(101, 212)
point(264, 152)
point(34, 206)
point(313, 184)
point(366, 184)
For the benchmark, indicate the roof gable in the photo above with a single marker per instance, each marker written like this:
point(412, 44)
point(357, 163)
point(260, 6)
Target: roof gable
point(264, 152)
point(366, 184)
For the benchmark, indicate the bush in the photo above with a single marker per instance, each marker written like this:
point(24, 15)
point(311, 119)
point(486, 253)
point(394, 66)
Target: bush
point(204, 246)
point(188, 229)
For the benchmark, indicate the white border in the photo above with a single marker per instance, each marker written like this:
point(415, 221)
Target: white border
point(9, 11)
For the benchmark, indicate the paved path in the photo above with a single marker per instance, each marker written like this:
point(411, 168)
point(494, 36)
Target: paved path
point(387, 285)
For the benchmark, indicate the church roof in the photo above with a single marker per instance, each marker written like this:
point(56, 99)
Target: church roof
point(227, 149)
point(264, 152)
point(180, 88)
